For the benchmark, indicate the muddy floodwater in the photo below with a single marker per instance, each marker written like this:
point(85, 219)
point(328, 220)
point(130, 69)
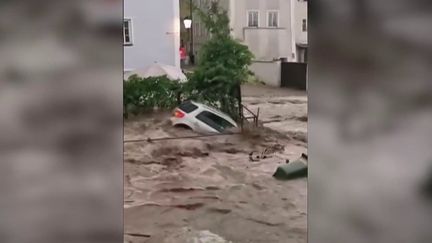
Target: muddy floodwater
point(207, 189)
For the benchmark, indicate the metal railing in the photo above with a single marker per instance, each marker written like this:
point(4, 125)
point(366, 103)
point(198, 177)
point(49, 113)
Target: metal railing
point(249, 116)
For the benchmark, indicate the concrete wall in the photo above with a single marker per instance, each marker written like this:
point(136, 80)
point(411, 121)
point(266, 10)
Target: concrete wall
point(269, 72)
point(155, 33)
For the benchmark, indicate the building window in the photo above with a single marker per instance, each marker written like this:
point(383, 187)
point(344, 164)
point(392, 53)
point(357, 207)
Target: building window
point(304, 25)
point(253, 18)
point(273, 19)
point(127, 32)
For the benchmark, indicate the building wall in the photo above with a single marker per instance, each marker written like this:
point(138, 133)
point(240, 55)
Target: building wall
point(266, 43)
point(300, 14)
point(269, 72)
point(155, 33)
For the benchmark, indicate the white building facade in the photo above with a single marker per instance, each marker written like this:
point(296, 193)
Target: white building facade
point(273, 30)
point(151, 33)
point(301, 29)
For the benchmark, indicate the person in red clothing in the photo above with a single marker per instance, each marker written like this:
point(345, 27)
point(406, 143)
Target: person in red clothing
point(183, 53)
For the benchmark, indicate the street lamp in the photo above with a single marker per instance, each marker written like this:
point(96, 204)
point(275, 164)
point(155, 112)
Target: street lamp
point(187, 22)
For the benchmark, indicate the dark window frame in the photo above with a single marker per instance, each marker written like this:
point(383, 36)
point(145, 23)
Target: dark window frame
point(127, 32)
point(252, 22)
point(275, 22)
point(304, 25)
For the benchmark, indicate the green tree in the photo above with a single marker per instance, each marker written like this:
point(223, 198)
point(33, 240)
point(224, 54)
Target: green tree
point(223, 62)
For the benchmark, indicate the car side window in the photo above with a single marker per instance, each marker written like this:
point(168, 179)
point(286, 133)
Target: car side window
point(219, 120)
point(214, 121)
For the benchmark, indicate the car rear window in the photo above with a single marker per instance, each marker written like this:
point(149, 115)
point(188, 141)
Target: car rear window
point(214, 121)
point(188, 107)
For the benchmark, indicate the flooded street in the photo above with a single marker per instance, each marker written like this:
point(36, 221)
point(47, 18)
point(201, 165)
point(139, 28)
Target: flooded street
point(207, 188)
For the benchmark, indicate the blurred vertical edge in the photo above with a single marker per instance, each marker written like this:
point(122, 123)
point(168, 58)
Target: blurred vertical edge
point(370, 121)
point(61, 128)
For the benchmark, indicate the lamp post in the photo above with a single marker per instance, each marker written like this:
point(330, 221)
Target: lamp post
point(188, 25)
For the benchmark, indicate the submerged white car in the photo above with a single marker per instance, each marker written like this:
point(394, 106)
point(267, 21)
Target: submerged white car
point(201, 118)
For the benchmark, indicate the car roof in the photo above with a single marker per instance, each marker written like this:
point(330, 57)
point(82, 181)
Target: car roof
point(217, 112)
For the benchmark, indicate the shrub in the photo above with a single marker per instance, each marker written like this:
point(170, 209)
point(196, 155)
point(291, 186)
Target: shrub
point(146, 94)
